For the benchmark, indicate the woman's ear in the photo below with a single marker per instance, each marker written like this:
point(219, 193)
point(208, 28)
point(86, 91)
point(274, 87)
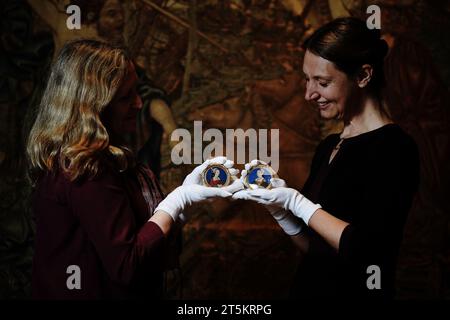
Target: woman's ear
point(364, 75)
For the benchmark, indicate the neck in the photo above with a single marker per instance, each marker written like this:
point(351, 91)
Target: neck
point(369, 119)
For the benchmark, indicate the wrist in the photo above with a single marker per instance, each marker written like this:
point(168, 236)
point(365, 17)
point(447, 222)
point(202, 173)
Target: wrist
point(302, 207)
point(163, 220)
point(173, 204)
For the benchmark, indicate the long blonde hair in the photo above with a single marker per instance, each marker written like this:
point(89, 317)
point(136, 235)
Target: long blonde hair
point(68, 132)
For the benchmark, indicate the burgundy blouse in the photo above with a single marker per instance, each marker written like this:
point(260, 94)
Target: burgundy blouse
point(100, 226)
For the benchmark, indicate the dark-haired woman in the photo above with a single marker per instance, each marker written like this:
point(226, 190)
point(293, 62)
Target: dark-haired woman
point(362, 181)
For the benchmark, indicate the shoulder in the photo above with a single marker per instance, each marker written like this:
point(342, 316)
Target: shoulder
point(107, 175)
point(56, 184)
point(396, 152)
point(394, 141)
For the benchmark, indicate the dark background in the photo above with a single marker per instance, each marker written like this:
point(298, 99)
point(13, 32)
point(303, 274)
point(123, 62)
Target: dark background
point(243, 74)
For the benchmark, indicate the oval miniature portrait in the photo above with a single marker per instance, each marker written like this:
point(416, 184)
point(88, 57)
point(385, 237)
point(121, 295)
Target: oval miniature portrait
point(216, 175)
point(259, 177)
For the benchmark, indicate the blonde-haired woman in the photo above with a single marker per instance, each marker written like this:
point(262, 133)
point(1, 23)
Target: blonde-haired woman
point(101, 219)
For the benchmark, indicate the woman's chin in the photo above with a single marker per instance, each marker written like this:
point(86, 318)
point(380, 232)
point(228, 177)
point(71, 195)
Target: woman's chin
point(330, 112)
point(327, 114)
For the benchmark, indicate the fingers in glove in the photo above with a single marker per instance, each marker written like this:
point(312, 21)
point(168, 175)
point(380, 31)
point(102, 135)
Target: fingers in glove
point(229, 164)
point(216, 160)
point(259, 200)
point(254, 163)
point(223, 161)
point(278, 183)
point(240, 195)
point(219, 160)
point(215, 192)
point(195, 176)
point(245, 195)
point(236, 186)
point(197, 171)
point(261, 194)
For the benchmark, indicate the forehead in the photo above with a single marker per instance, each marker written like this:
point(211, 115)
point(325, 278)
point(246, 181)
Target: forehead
point(314, 65)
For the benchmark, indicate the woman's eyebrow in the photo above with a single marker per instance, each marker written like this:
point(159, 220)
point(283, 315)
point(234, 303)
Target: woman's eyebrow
point(318, 77)
point(322, 77)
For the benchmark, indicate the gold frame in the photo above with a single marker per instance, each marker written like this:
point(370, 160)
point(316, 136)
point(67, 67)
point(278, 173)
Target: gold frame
point(227, 182)
point(264, 166)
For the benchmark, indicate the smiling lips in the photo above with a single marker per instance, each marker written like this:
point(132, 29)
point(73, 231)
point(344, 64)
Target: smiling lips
point(322, 105)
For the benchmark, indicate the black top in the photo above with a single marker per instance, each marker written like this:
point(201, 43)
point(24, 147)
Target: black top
point(370, 184)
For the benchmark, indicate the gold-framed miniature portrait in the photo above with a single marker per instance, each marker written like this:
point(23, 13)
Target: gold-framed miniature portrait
point(216, 176)
point(259, 177)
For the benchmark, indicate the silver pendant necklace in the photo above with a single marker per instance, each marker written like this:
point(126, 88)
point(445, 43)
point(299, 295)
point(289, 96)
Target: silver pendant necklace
point(338, 146)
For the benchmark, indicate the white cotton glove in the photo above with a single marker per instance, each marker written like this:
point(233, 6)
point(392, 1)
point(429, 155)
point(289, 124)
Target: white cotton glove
point(184, 196)
point(284, 218)
point(288, 222)
point(286, 198)
point(195, 179)
point(275, 182)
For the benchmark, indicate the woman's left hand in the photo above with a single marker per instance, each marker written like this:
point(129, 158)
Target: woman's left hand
point(281, 197)
point(284, 218)
point(274, 182)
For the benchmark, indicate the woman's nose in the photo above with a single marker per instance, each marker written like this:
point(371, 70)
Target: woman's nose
point(310, 93)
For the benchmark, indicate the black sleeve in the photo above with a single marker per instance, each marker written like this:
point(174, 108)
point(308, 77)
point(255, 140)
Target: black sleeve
point(375, 237)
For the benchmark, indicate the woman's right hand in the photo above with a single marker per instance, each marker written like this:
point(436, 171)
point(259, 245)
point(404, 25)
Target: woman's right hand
point(184, 196)
point(195, 177)
point(192, 190)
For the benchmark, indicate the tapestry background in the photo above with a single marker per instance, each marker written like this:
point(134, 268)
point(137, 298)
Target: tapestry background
point(232, 64)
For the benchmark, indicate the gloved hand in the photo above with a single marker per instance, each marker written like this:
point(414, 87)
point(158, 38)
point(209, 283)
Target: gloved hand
point(275, 182)
point(192, 189)
point(184, 196)
point(282, 197)
point(284, 218)
point(195, 177)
